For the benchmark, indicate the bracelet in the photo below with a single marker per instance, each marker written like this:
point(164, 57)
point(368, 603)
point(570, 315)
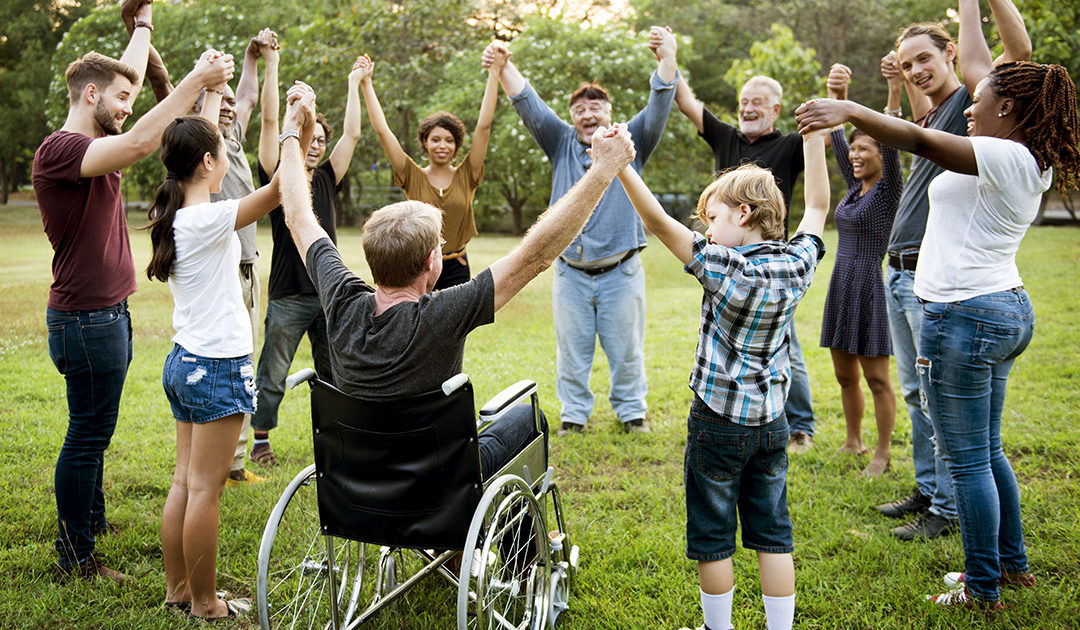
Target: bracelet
point(898, 112)
point(144, 24)
point(288, 133)
point(216, 91)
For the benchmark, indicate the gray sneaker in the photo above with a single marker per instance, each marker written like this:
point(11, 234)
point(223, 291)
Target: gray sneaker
point(925, 527)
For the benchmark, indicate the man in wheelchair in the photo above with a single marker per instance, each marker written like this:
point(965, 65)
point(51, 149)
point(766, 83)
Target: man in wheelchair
point(401, 339)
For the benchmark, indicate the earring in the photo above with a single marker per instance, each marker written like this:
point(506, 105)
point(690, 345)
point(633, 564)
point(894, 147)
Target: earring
point(1001, 115)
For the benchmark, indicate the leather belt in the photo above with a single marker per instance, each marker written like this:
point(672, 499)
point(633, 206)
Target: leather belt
point(596, 271)
point(903, 262)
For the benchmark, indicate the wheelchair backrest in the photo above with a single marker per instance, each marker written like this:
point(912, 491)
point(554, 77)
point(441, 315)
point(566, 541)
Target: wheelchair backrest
point(401, 473)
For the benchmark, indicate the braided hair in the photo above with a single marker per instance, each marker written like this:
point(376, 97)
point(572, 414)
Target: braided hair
point(1045, 99)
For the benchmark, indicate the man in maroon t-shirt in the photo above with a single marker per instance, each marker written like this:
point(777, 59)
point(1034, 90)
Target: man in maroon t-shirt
point(76, 179)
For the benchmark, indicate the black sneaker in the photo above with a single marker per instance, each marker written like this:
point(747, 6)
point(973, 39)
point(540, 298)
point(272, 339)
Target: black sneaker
point(917, 503)
point(926, 526)
point(568, 428)
point(637, 425)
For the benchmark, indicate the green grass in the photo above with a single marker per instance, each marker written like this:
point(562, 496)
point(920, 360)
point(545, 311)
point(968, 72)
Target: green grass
point(623, 494)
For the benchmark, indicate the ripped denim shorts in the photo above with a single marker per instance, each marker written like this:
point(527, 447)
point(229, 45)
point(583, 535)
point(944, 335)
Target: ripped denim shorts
point(202, 389)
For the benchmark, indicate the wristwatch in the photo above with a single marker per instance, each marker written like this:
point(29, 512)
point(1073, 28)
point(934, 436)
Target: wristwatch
point(144, 24)
point(288, 133)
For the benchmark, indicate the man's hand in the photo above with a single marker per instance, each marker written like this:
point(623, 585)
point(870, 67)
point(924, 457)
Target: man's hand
point(820, 113)
point(213, 68)
point(496, 53)
point(131, 10)
point(838, 80)
point(662, 42)
point(612, 149)
point(266, 39)
point(362, 70)
point(494, 57)
point(890, 69)
point(300, 107)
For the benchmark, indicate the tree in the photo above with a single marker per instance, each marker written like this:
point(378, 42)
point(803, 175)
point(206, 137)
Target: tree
point(32, 30)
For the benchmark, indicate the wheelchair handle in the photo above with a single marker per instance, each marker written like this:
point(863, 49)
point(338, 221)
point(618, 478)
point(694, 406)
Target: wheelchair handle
point(510, 396)
point(302, 376)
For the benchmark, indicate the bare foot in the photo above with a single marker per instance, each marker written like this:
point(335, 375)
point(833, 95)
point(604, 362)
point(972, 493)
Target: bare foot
point(877, 467)
point(854, 448)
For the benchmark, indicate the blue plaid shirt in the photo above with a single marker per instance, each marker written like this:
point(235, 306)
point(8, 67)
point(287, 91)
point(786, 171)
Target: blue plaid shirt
point(741, 370)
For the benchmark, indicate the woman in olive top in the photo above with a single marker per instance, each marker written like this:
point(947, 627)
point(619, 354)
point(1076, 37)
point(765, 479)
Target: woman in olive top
point(441, 183)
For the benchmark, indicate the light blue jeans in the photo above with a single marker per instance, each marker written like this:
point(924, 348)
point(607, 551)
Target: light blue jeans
point(287, 320)
point(610, 306)
point(905, 324)
point(966, 351)
point(798, 408)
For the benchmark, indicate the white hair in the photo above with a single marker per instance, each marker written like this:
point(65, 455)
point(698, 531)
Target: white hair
point(769, 84)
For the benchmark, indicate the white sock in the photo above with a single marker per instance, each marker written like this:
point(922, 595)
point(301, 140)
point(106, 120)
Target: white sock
point(779, 612)
point(717, 609)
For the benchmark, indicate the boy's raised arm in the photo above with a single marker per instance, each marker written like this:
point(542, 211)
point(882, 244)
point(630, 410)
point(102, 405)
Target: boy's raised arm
point(816, 183)
point(674, 235)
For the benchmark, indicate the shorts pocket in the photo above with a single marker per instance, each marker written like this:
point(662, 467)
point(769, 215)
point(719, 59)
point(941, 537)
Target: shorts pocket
point(719, 457)
point(192, 379)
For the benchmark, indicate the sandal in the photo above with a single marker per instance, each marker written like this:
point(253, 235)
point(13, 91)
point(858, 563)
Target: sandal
point(263, 456)
point(233, 607)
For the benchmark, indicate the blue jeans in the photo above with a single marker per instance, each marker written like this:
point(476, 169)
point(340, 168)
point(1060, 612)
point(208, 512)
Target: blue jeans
point(966, 351)
point(92, 349)
point(502, 440)
point(287, 320)
point(610, 306)
point(798, 407)
point(905, 323)
point(731, 469)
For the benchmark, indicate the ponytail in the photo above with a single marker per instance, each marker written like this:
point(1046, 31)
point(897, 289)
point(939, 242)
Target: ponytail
point(183, 144)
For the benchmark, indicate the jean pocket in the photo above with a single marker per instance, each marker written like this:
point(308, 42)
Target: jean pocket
point(632, 266)
point(101, 319)
point(993, 343)
point(192, 380)
point(58, 346)
point(719, 457)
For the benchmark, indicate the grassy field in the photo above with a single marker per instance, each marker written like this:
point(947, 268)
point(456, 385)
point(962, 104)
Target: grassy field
point(624, 493)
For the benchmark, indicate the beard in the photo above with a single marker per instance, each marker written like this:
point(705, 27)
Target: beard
point(106, 121)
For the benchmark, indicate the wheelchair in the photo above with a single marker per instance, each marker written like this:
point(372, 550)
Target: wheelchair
point(396, 494)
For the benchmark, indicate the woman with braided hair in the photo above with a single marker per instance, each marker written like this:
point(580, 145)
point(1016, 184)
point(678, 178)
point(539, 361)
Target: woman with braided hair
point(977, 318)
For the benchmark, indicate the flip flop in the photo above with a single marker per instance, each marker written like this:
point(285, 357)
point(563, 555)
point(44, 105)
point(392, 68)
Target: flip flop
point(234, 608)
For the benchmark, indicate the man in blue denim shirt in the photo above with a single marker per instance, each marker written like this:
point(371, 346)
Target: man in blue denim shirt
point(599, 284)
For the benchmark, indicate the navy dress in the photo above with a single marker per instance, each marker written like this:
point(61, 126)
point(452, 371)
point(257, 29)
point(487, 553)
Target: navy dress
point(855, 319)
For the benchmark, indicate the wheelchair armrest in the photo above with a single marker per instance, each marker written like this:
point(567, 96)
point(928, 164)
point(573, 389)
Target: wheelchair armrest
point(506, 399)
point(454, 383)
point(302, 376)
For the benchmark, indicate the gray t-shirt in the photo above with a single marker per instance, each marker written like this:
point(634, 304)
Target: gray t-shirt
point(409, 349)
point(237, 185)
point(910, 221)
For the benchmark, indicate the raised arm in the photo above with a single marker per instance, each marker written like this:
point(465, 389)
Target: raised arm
point(510, 77)
point(815, 184)
point(665, 50)
point(138, 48)
point(945, 149)
point(689, 105)
point(268, 129)
point(975, 59)
point(295, 188)
point(391, 147)
point(112, 153)
point(478, 150)
point(674, 235)
point(247, 90)
point(612, 149)
point(1011, 29)
point(342, 155)
point(920, 102)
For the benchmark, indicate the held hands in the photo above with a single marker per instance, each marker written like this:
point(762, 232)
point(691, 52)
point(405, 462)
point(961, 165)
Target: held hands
point(662, 42)
point(144, 13)
point(362, 70)
point(612, 149)
point(495, 56)
point(213, 69)
point(300, 107)
point(265, 41)
point(838, 80)
point(820, 114)
point(890, 69)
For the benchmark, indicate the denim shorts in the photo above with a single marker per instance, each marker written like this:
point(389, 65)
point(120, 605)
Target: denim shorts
point(730, 468)
point(202, 389)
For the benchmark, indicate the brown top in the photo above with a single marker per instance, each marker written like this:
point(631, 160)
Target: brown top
point(459, 225)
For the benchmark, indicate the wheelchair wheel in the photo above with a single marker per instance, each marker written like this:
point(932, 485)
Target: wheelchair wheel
point(293, 586)
point(505, 575)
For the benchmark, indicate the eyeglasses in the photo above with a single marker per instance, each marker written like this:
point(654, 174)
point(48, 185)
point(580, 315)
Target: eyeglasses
point(442, 243)
point(321, 141)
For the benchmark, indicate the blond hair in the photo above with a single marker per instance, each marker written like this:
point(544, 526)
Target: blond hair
point(754, 186)
point(397, 240)
point(97, 69)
